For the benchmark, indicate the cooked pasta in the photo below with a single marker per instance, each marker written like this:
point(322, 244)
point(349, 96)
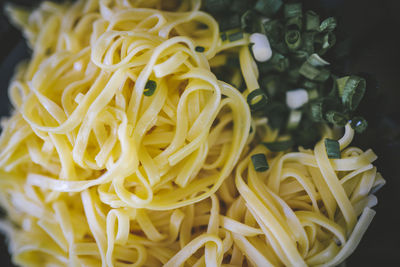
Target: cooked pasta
point(124, 149)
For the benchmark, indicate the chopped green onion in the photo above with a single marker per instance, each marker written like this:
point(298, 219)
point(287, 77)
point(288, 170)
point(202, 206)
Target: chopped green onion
point(332, 148)
point(321, 105)
point(312, 94)
point(257, 99)
point(312, 21)
point(150, 88)
point(268, 7)
point(294, 23)
point(328, 25)
point(317, 61)
point(312, 70)
point(277, 62)
point(336, 118)
point(325, 41)
point(279, 145)
point(316, 110)
point(309, 71)
point(341, 82)
point(235, 36)
point(359, 124)
point(308, 42)
point(260, 162)
point(250, 21)
point(199, 49)
point(353, 92)
point(293, 39)
point(292, 10)
point(274, 31)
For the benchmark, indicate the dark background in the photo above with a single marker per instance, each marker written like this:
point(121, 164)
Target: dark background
point(373, 27)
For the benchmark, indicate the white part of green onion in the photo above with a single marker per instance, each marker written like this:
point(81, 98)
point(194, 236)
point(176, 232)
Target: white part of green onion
point(294, 119)
point(261, 48)
point(296, 98)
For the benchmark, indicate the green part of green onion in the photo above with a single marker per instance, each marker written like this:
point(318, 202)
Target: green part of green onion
point(279, 145)
point(268, 7)
point(229, 22)
point(341, 82)
point(359, 124)
point(308, 42)
point(312, 21)
point(325, 41)
point(260, 162)
point(316, 110)
point(328, 25)
point(313, 69)
point(278, 62)
point(292, 10)
point(353, 92)
point(251, 129)
point(310, 85)
point(309, 71)
point(337, 118)
point(293, 39)
point(294, 23)
point(250, 22)
point(257, 100)
point(150, 88)
point(332, 148)
point(320, 106)
point(199, 49)
point(316, 61)
point(293, 75)
point(214, 6)
point(235, 36)
point(274, 31)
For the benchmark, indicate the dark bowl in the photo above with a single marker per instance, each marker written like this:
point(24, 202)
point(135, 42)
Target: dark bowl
point(373, 27)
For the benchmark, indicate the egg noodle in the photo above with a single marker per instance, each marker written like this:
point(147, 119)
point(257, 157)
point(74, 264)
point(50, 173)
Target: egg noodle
point(123, 149)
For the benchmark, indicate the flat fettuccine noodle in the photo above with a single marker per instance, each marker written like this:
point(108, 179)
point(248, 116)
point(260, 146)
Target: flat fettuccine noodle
point(122, 147)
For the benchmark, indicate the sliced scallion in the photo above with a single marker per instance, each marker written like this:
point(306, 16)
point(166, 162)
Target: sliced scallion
point(235, 36)
point(268, 7)
point(292, 10)
point(257, 100)
point(199, 49)
point(150, 88)
point(332, 148)
point(359, 124)
point(312, 21)
point(353, 92)
point(293, 39)
point(279, 145)
point(336, 118)
point(260, 162)
point(328, 25)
